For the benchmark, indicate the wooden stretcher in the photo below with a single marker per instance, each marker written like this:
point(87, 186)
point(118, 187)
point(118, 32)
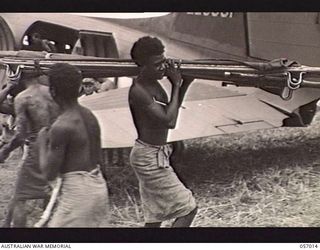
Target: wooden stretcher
point(279, 73)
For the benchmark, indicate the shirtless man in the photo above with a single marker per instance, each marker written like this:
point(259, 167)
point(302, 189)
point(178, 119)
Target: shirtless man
point(71, 150)
point(34, 109)
point(7, 94)
point(7, 110)
point(163, 195)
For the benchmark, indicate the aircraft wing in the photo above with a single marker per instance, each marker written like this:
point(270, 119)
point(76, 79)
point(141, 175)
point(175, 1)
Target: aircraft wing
point(207, 110)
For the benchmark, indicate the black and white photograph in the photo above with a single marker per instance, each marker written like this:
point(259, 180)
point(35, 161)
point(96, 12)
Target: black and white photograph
point(160, 120)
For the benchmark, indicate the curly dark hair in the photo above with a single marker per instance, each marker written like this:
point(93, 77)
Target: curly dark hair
point(65, 79)
point(145, 47)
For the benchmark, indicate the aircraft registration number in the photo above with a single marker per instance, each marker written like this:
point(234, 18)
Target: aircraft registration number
point(213, 14)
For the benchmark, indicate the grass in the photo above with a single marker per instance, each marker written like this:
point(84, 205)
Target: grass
point(266, 178)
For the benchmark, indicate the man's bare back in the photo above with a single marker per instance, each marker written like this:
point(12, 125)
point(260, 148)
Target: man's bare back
point(71, 150)
point(73, 141)
point(36, 108)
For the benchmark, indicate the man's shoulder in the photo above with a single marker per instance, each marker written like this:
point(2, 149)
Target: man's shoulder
point(85, 110)
point(44, 92)
point(60, 130)
point(62, 124)
point(44, 87)
point(88, 113)
point(68, 120)
point(137, 90)
point(22, 97)
point(39, 90)
point(29, 92)
point(139, 94)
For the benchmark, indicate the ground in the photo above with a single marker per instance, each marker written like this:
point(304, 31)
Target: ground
point(266, 178)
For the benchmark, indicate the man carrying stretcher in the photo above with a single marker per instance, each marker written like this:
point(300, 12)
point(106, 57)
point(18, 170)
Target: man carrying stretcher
point(163, 195)
point(34, 109)
point(71, 149)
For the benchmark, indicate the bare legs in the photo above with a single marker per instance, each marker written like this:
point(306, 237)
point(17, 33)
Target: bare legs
point(17, 213)
point(8, 219)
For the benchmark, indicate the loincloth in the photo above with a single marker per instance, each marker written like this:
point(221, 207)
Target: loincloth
point(82, 201)
point(31, 182)
point(162, 194)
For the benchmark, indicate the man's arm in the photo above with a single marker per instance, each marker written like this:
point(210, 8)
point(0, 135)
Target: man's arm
point(184, 87)
point(177, 93)
point(52, 147)
point(12, 82)
point(5, 107)
point(155, 111)
point(165, 115)
point(21, 129)
point(5, 91)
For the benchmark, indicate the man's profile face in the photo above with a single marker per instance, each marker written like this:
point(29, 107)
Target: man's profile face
point(155, 66)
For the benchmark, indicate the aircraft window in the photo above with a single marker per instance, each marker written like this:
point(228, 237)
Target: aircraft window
point(51, 34)
point(25, 40)
point(99, 44)
point(36, 42)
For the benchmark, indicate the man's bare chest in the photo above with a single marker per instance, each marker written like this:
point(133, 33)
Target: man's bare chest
point(158, 93)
